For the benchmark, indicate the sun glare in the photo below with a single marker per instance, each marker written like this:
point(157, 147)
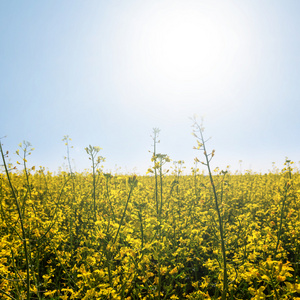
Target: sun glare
point(191, 44)
point(178, 53)
point(185, 45)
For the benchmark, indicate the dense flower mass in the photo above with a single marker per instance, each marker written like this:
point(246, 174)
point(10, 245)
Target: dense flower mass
point(104, 236)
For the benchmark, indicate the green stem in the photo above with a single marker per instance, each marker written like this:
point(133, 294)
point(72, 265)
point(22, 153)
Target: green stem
point(281, 221)
point(124, 212)
point(225, 278)
point(21, 223)
point(94, 188)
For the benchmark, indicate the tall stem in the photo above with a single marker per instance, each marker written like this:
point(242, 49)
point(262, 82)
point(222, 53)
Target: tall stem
point(94, 188)
point(21, 223)
point(223, 248)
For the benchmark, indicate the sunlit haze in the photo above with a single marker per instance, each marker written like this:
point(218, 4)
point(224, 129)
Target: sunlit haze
point(107, 72)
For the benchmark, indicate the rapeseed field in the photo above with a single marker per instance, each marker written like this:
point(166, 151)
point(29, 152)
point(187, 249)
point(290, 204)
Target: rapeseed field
point(97, 235)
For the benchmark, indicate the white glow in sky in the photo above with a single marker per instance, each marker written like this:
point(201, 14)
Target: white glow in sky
point(107, 72)
point(188, 44)
point(186, 48)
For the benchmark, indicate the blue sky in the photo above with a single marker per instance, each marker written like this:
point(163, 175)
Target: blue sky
point(107, 72)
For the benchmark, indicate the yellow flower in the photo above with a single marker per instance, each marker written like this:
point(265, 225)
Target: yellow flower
point(50, 293)
point(174, 271)
point(265, 277)
point(281, 278)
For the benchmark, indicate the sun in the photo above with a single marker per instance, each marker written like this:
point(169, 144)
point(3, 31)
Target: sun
point(183, 44)
point(187, 45)
point(185, 51)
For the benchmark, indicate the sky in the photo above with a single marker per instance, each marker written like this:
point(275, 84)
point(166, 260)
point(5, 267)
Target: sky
point(106, 73)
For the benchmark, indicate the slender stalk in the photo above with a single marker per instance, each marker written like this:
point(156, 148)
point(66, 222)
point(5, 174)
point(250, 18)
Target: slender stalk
point(155, 141)
point(161, 190)
point(94, 188)
point(124, 212)
point(142, 228)
point(221, 229)
point(66, 139)
point(11, 297)
point(92, 152)
point(21, 223)
point(281, 221)
point(285, 196)
point(132, 183)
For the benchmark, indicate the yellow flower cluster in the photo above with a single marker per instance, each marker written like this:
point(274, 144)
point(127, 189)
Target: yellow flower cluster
point(99, 236)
